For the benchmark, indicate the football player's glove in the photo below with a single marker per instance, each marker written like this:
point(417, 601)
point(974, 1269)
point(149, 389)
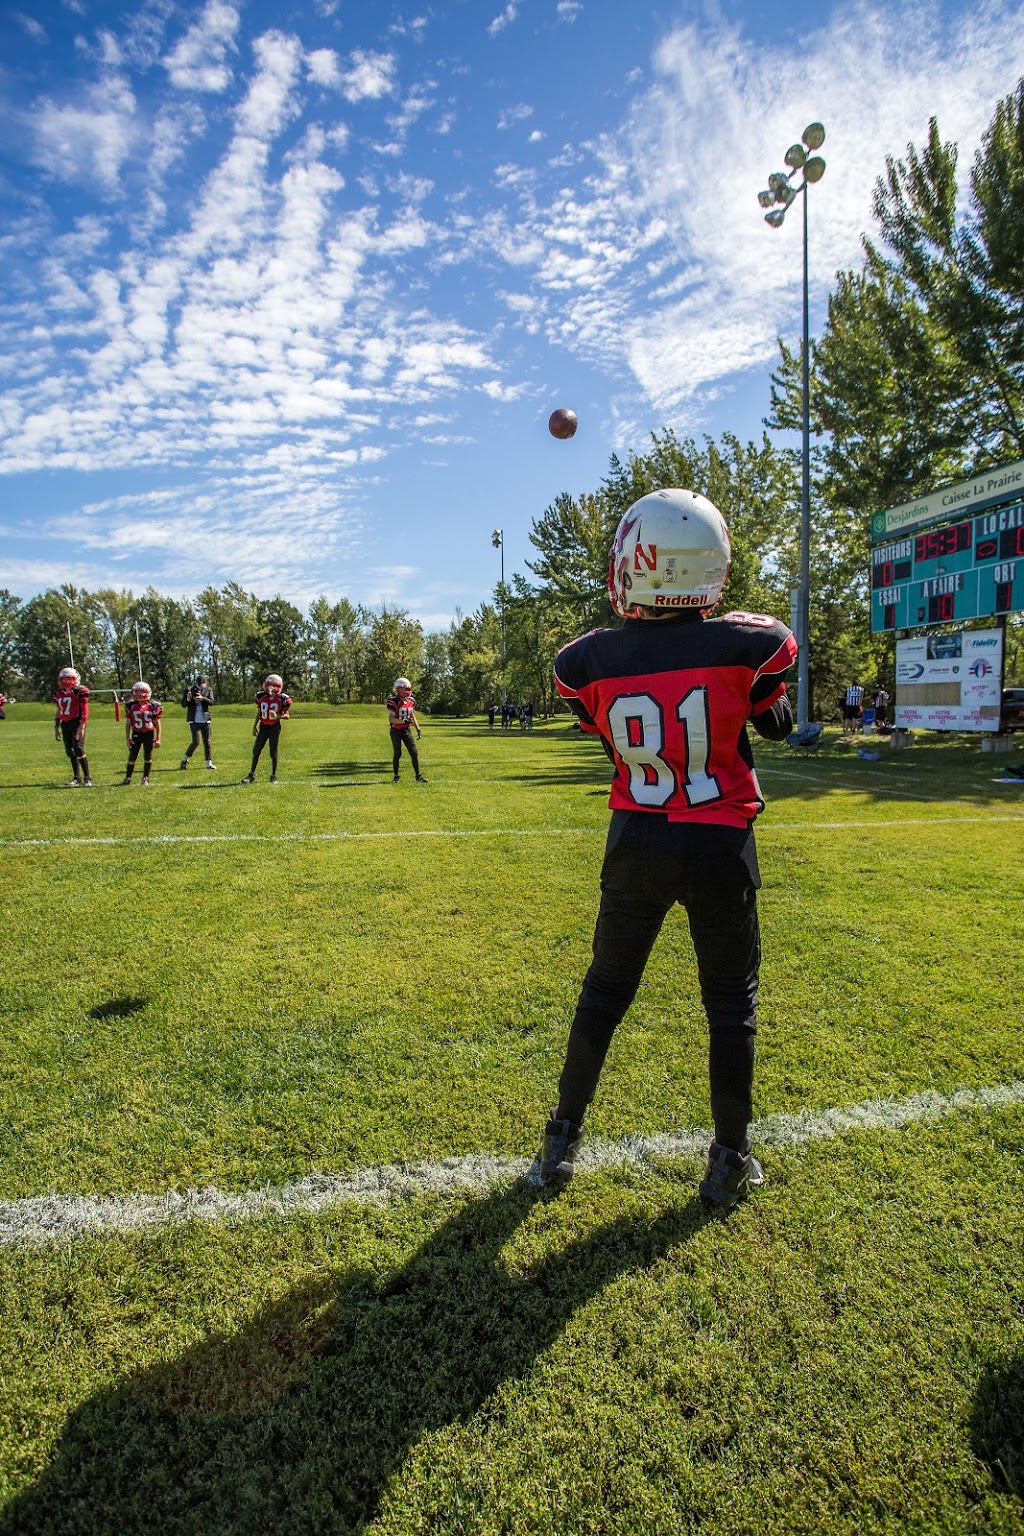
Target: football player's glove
point(671, 551)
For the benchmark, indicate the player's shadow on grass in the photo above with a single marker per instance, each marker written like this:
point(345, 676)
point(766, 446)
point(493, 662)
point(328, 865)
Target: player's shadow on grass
point(118, 1008)
point(349, 770)
point(299, 1421)
point(997, 1423)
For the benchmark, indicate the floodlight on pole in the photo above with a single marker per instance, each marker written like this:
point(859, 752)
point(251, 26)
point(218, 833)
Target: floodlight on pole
point(498, 540)
point(781, 193)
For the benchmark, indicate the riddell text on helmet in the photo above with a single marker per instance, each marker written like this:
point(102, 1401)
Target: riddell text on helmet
point(682, 600)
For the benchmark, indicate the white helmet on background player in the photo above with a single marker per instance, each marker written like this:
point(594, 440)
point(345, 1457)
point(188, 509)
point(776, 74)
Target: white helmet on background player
point(141, 691)
point(273, 682)
point(671, 550)
point(402, 683)
point(69, 676)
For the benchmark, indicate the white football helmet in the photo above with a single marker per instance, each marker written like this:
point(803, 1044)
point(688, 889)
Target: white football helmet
point(671, 551)
point(274, 681)
point(402, 682)
point(68, 675)
point(141, 690)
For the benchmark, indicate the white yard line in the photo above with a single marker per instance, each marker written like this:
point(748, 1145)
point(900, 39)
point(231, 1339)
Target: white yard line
point(61, 1218)
point(352, 837)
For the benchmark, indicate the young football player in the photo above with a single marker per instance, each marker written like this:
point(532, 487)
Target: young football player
point(142, 729)
point(670, 693)
point(197, 701)
point(72, 716)
point(401, 708)
point(272, 706)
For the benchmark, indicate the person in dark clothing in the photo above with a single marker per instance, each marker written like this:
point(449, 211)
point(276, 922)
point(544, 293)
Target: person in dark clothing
point(197, 701)
point(670, 694)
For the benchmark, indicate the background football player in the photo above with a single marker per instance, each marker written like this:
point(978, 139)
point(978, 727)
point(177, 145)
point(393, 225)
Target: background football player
point(401, 708)
point(72, 700)
point(142, 730)
point(272, 706)
point(670, 694)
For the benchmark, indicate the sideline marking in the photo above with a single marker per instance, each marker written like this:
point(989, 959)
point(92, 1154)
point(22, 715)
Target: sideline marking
point(354, 837)
point(52, 1218)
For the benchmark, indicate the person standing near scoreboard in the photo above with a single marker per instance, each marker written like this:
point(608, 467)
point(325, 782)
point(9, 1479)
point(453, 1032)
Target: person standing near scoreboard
point(670, 694)
point(272, 707)
point(401, 708)
point(72, 700)
point(142, 730)
point(852, 702)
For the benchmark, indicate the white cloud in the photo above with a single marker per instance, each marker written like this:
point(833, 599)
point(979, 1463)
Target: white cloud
point(323, 67)
point(512, 115)
point(199, 61)
point(568, 10)
point(657, 253)
point(368, 76)
point(505, 19)
point(35, 30)
point(88, 139)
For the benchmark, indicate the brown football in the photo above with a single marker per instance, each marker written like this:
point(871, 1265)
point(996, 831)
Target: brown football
point(563, 422)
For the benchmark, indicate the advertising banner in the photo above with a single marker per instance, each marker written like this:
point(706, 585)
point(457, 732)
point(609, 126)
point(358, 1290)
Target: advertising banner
point(951, 682)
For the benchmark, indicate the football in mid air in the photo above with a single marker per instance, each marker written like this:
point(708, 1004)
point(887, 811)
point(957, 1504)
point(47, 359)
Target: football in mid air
point(563, 422)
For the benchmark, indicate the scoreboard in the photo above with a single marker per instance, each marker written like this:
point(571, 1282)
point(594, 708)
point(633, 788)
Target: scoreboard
point(948, 571)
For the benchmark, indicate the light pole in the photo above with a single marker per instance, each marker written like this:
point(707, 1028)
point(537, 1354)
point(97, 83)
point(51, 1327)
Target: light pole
point(778, 198)
point(498, 540)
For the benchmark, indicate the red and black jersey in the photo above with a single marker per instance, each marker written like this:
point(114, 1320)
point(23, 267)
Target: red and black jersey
point(143, 715)
point(72, 703)
point(401, 711)
point(272, 706)
point(671, 698)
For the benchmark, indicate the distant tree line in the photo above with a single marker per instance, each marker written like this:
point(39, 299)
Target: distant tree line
point(917, 380)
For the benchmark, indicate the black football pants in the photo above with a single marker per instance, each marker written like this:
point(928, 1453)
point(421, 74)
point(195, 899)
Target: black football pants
point(75, 749)
point(266, 734)
point(397, 738)
point(650, 865)
point(141, 741)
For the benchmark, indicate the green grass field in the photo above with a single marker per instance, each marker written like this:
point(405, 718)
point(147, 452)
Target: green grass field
point(266, 991)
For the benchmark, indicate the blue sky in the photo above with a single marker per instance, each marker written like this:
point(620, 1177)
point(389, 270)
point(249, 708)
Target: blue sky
point(288, 292)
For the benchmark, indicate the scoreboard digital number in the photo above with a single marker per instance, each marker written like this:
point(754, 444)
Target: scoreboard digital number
point(966, 570)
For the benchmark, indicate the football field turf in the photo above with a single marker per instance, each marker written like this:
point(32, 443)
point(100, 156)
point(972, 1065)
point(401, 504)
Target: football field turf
point(276, 1059)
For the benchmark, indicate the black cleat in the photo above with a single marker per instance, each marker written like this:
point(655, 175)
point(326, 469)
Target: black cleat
point(420, 779)
point(729, 1178)
point(562, 1139)
point(250, 778)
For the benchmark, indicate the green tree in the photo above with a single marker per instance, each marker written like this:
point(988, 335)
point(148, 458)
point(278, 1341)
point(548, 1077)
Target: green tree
point(116, 615)
point(9, 611)
point(394, 648)
point(279, 643)
point(919, 372)
point(227, 620)
point(169, 642)
point(42, 639)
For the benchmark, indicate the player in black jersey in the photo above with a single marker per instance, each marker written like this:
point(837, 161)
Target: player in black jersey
point(670, 694)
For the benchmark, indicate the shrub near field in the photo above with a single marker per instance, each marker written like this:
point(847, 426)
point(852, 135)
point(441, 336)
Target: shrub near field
point(207, 984)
